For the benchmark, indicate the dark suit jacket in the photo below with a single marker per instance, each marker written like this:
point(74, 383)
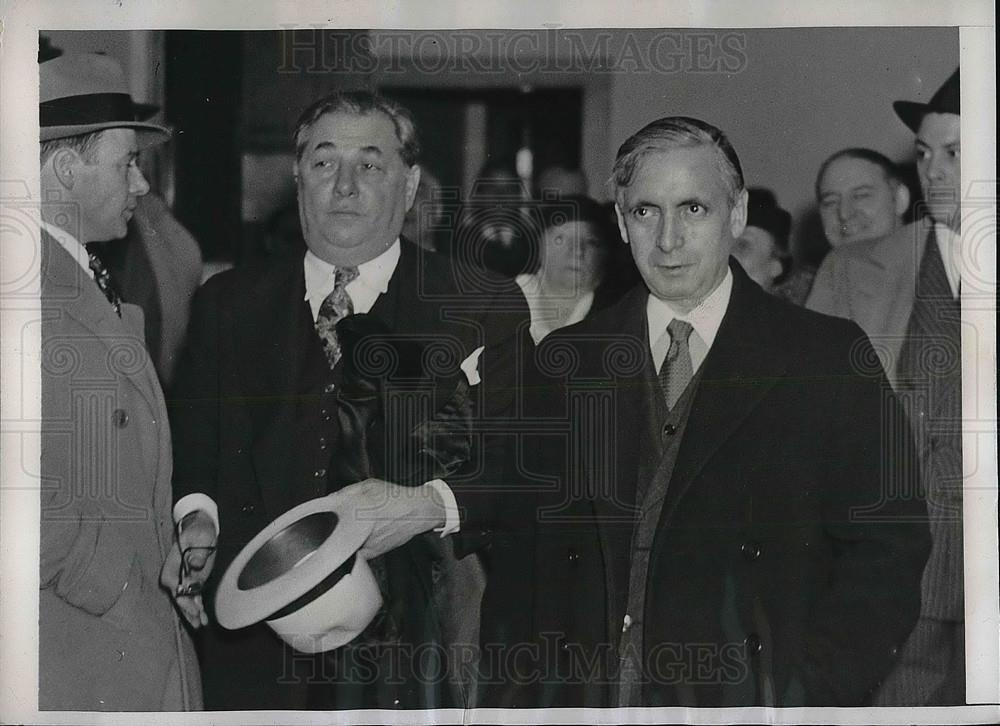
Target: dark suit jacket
point(786, 564)
point(249, 409)
point(109, 638)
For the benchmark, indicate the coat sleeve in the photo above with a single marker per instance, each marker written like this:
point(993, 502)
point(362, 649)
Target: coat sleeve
point(195, 399)
point(501, 370)
point(876, 519)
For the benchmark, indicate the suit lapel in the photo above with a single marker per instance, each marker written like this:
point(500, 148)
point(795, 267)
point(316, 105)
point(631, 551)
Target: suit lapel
point(741, 367)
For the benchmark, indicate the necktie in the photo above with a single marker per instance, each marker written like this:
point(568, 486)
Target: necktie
point(676, 371)
point(335, 307)
point(103, 279)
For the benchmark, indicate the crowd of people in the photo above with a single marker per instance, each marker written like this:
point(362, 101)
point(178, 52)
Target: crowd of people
point(622, 454)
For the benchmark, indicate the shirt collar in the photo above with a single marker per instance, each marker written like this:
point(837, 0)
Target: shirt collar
point(71, 244)
point(704, 319)
point(373, 274)
point(950, 246)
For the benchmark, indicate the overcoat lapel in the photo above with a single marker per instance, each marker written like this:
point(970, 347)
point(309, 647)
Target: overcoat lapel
point(615, 511)
point(741, 367)
point(68, 288)
point(264, 324)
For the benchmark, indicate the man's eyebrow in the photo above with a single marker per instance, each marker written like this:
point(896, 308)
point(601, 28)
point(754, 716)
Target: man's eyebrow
point(369, 149)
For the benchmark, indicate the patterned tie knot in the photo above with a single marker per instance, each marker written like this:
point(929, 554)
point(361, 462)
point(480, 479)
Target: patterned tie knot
point(337, 306)
point(102, 276)
point(680, 331)
point(344, 276)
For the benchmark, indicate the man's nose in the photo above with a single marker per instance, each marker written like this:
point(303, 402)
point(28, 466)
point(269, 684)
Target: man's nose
point(346, 184)
point(137, 184)
point(846, 208)
point(936, 170)
point(670, 236)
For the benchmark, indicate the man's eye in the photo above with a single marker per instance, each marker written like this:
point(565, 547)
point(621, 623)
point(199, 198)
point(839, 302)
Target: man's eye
point(370, 166)
point(641, 212)
point(696, 209)
point(955, 153)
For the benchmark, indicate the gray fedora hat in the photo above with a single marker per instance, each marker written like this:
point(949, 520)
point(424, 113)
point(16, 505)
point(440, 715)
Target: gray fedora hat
point(87, 92)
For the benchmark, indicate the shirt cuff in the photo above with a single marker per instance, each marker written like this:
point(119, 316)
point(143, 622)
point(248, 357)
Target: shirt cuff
point(451, 520)
point(193, 502)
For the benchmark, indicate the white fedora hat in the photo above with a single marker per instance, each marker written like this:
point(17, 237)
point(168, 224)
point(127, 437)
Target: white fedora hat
point(82, 93)
point(301, 575)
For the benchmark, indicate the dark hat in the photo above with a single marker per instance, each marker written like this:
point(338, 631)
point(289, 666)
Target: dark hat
point(946, 100)
point(763, 211)
point(86, 92)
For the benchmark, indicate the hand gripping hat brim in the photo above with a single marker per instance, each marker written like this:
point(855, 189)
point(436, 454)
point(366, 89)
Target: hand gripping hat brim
point(301, 575)
point(83, 93)
point(947, 99)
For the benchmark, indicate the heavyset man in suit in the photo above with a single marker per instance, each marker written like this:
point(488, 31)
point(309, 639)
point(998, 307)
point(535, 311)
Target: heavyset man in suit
point(109, 638)
point(718, 507)
point(903, 290)
point(260, 423)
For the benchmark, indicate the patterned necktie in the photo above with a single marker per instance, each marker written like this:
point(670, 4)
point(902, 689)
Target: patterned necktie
point(335, 307)
point(676, 370)
point(103, 279)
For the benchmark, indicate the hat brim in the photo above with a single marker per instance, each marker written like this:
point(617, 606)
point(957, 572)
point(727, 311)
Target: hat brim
point(236, 607)
point(146, 134)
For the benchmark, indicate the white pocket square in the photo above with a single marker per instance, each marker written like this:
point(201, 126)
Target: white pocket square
point(470, 366)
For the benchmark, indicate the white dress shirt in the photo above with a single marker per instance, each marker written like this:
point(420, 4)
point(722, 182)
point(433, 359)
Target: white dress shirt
point(372, 281)
point(950, 246)
point(704, 319)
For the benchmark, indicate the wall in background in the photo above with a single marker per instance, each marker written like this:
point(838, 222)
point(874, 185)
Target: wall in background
point(801, 95)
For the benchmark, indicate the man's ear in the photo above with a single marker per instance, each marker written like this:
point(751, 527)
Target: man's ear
point(412, 182)
point(66, 165)
point(621, 223)
point(902, 197)
point(738, 215)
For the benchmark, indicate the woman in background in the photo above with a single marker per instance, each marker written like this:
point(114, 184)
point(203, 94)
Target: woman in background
point(571, 246)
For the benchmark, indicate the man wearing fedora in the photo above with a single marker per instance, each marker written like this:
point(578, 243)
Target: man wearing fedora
point(273, 406)
point(903, 290)
point(109, 636)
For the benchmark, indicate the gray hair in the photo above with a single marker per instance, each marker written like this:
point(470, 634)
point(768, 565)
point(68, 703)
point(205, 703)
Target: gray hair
point(82, 144)
point(674, 132)
point(361, 103)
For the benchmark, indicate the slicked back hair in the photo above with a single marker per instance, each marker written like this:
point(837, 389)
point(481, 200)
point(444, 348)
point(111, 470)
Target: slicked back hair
point(675, 132)
point(361, 103)
point(888, 167)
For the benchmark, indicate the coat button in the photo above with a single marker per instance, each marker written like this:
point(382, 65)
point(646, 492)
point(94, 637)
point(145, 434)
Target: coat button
point(329, 388)
point(119, 417)
point(753, 644)
point(322, 443)
point(750, 550)
point(248, 508)
point(669, 429)
point(573, 556)
point(319, 473)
